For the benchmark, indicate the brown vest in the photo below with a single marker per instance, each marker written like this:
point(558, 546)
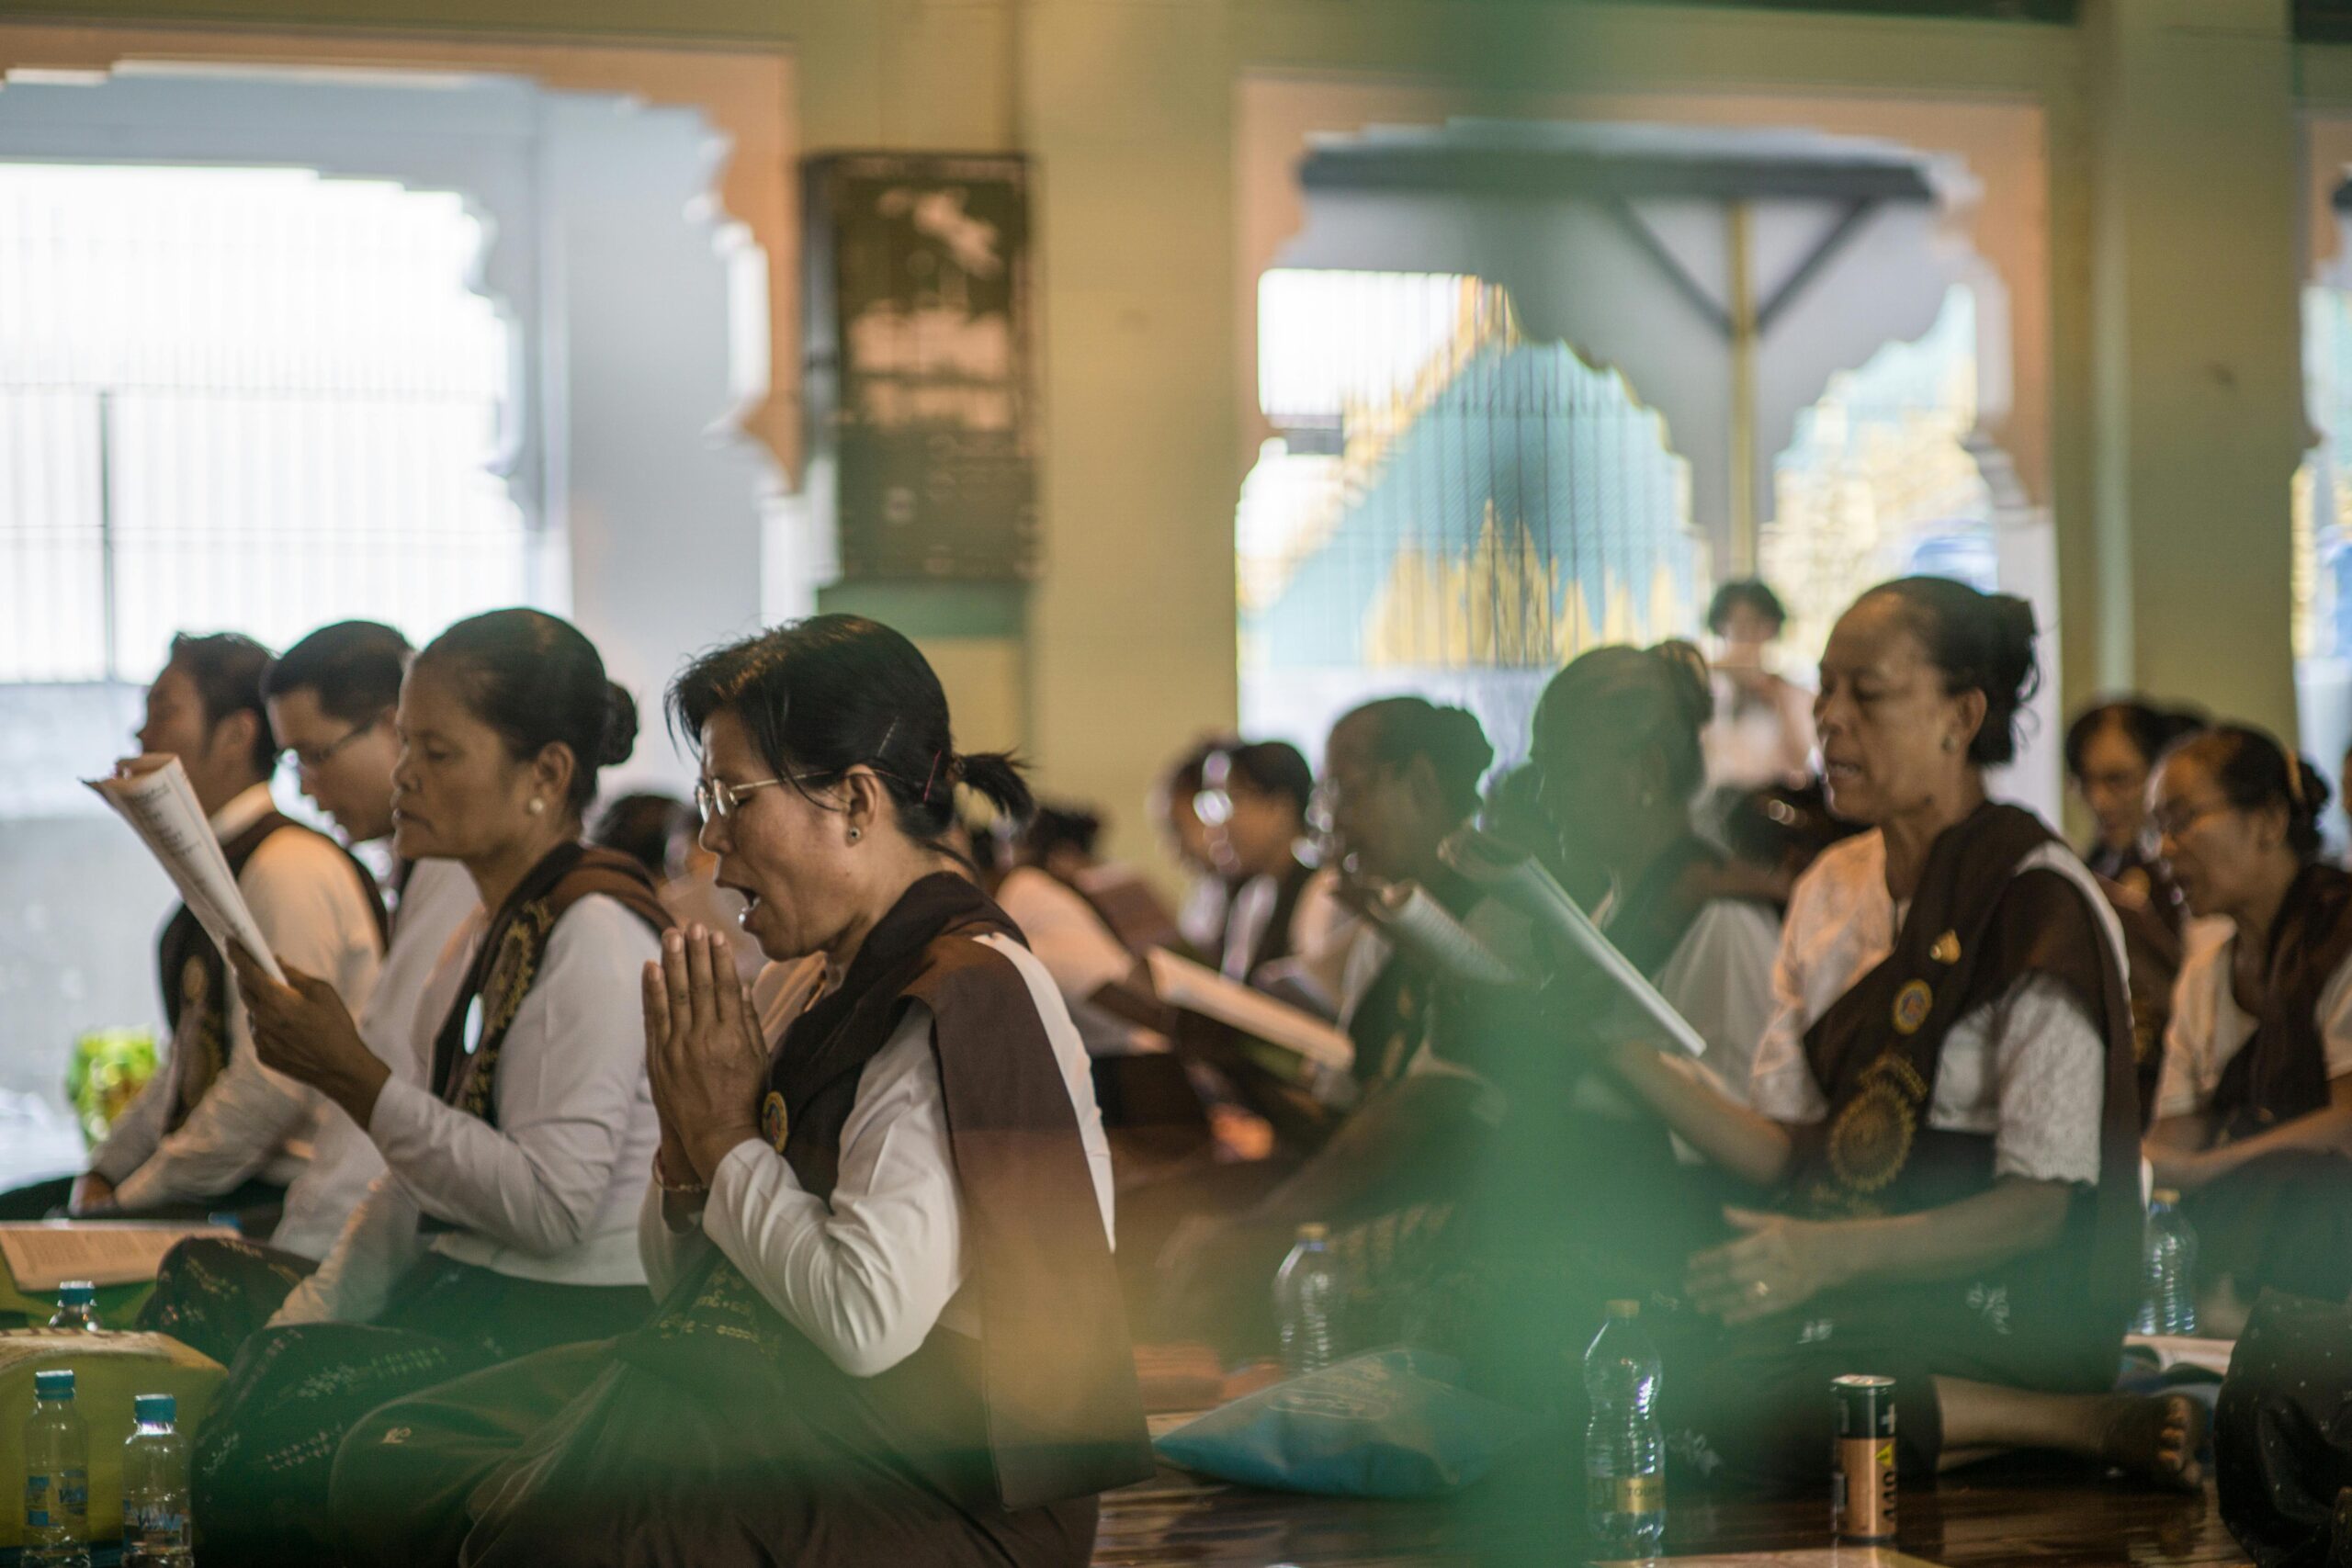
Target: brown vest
point(1976, 927)
point(195, 974)
point(2281, 1071)
point(465, 1051)
point(1063, 1415)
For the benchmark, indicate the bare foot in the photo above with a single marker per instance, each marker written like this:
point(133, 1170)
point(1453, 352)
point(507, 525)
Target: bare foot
point(2154, 1439)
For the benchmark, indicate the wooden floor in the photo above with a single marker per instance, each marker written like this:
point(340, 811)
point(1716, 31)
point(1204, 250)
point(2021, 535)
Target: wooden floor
point(1974, 1520)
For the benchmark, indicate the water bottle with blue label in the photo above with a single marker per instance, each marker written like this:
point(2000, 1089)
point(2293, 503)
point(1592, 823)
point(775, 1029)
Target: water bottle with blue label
point(154, 1487)
point(57, 1477)
point(77, 1307)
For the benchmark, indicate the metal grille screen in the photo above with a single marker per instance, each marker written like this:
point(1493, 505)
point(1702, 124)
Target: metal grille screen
point(247, 398)
point(1451, 508)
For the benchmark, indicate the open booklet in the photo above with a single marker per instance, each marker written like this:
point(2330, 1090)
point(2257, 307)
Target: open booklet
point(43, 1254)
point(1521, 881)
point(154, 795)
point(1181, 983)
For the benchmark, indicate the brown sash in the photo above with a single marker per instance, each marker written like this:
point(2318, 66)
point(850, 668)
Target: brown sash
point(1976, 927)
point(2281, 1071)
point(1064, 1415)
point(2151, 951)
point(195, 974)
point(465, 1051)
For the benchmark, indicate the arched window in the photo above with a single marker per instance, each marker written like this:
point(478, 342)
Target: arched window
point(1880, 481)
point(1450, 507)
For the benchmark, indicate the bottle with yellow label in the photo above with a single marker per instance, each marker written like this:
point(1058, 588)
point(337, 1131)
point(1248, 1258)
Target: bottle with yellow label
point(1624, 1452)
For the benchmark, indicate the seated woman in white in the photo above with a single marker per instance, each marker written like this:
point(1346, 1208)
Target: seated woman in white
point(505, 1220)
point(2253, 1114)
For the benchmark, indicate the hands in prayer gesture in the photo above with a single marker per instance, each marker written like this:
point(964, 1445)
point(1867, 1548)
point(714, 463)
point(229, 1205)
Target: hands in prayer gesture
point(704, 1053)
point(301, 1029)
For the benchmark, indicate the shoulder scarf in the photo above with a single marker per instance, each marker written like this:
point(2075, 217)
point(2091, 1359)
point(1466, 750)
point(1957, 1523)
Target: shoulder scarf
point(465, 1051)
point(2281, 1071)
point(1657, 911)
point(196, 976)
point(1975, 928)
point(1064, 1416)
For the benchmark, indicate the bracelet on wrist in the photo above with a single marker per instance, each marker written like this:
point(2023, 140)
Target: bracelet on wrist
point(676, 1189)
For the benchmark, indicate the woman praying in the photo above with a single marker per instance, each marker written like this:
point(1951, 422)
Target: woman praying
point(889, 1329)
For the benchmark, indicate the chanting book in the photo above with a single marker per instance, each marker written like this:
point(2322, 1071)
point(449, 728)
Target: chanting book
point(151, 793)
point(1414, 921)
point(1181, 983)
point(43, 1254)
point(1522, 882)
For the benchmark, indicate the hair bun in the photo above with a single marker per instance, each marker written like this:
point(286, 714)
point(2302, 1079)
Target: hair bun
point(620, 726)
point(1689, 678)
point(2311, 792)
point(2015, 630)
point(1466, 738)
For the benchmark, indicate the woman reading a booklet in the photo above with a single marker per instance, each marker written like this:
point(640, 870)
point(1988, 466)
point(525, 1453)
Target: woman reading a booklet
point(505, 1220)
point(889, 1330)
point(1941, 1140)
point(1401, 776)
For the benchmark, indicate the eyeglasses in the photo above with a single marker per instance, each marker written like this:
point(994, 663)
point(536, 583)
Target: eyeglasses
point(717, 798)
point(2174, 824)
point(311, 759)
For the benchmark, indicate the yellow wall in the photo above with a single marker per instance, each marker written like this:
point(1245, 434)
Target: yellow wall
point(2174, 221)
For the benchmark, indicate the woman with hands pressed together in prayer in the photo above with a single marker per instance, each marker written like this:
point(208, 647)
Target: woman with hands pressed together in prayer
point(889, 1330)
point(505, 1220)
point(1942, 1122)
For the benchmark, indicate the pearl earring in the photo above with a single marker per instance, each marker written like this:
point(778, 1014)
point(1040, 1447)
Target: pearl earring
point(537, 806)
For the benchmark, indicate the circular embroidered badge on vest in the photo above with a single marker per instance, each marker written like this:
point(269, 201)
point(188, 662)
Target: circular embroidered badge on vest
point(1871, 1139)
point(773, 1124)
point(510, 976)
point(1911, 1005)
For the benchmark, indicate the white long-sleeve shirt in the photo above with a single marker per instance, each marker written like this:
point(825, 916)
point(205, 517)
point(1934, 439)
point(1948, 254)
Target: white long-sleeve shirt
point(315, 913)
point(439, 897)
point(868, 1275)
point(2028, 1068)
point(550, 1193)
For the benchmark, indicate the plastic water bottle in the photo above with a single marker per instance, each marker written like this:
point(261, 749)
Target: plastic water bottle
point(2169, 1267)
point(57, 1477)
point(1624, 1452)
point(154, 1487)
point(77, 1307)
point(1310, 1297)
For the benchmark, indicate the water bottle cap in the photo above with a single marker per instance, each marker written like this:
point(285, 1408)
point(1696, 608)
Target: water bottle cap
point(76, 1292)
point(1624, 1309)
point(2165, 1195)
point(57, 1383)
point(155, 1409)
point(1313, 1231)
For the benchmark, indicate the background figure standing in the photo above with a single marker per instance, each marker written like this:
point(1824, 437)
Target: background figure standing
point(1762, 731)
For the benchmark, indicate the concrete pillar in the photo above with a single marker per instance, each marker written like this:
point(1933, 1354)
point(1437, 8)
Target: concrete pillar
point(1128, 111)
point(2195, 348)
